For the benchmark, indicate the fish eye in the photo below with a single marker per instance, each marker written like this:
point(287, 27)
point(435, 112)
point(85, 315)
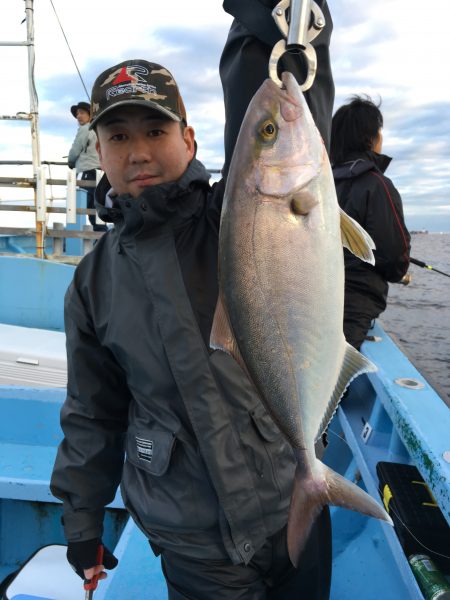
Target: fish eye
point(268, 131)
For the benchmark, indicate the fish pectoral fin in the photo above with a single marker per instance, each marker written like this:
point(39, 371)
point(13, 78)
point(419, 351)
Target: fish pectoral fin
point(222, 337)
point(303, 202)
point(356, 239)
point(309, 497)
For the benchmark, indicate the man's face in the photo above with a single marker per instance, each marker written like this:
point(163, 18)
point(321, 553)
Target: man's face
point(138, 148)
point(82, 116)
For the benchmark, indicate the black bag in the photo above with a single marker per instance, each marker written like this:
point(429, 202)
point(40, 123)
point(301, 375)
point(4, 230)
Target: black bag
point(417, 517)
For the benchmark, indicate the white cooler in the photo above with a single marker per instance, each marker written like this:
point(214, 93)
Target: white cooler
point(32, 357)
point(46, 576)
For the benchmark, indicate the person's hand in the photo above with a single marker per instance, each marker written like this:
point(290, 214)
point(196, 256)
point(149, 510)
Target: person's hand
point(82, 556)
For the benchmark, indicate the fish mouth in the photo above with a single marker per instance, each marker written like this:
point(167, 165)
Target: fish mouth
point(290, 83)
point(292, 106)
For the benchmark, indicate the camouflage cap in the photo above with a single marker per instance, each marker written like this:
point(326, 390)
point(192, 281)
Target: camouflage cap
point(136, 82)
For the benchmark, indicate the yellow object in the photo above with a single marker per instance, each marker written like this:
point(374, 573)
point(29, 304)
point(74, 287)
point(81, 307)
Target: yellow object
point(433, 502)
point(387, 495)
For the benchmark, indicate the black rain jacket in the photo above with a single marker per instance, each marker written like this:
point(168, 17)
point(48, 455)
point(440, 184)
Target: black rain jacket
point(203, 468)
point(369, 197)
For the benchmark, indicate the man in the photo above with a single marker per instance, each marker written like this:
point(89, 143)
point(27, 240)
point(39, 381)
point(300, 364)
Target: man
point(369, 197)
point(207, 475)
point(83, 154)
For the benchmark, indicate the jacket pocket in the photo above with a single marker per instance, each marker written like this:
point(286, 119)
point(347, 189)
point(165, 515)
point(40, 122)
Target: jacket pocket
point(165, 484)
point(151, 450)
point(265, 425)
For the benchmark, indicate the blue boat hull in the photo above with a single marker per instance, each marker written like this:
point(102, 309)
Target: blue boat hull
point(407, 425)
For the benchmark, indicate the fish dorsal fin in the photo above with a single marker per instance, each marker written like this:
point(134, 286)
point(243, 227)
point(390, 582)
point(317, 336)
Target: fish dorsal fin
point(222, 337)
point(356, 239)
point(354, 364)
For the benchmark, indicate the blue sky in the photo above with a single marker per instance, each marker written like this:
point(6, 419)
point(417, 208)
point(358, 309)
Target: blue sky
point(392, 50)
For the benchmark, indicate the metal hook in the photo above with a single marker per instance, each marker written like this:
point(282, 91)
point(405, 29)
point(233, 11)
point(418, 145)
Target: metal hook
point(298, 34)
point(279, 49)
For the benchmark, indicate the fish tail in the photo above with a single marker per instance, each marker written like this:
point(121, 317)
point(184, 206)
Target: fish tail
point(309, 498)
point(307, 502)
point(344, 493)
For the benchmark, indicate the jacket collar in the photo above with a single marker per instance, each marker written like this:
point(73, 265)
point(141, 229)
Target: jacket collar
point(161, 203)
point(361, 162)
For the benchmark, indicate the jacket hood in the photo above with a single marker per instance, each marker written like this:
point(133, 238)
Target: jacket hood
point(359, 163)
point(164, 198)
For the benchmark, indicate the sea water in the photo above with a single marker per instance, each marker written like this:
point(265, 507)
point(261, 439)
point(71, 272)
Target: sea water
point(418, 315)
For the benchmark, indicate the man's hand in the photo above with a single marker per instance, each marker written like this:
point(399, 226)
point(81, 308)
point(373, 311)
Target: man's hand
point(82, 556)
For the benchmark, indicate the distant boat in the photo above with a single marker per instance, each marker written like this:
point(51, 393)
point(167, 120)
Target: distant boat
point(413, 232)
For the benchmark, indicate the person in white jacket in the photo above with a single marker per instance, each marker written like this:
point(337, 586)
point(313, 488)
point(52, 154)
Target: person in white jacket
point(83, 154)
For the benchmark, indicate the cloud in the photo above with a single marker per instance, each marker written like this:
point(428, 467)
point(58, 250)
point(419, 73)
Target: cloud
point(389, 49)
point(192, 56)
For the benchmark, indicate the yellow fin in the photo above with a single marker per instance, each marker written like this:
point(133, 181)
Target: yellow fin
point(356, 239)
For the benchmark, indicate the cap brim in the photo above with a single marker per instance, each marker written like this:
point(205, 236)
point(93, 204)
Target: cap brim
point(145, 103)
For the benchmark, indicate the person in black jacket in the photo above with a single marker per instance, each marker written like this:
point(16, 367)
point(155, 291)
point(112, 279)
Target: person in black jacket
point(203, 469)
point(367, 195)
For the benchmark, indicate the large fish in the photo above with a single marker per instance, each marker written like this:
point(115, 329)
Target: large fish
point(280, 308)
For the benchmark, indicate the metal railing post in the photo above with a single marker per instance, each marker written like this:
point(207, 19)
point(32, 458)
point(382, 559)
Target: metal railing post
point(71, 200)
point(41, 212)
point(88, 243)
point(58, 243)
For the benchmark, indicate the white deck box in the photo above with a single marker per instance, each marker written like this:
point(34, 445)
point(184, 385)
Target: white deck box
point(32, 357)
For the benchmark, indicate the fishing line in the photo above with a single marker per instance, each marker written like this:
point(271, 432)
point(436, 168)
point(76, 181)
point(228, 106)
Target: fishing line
point(395, 512)
point(339, 437)
point(70, 50)
point(417, 540)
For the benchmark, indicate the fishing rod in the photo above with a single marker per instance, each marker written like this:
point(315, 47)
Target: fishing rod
point(420, 263)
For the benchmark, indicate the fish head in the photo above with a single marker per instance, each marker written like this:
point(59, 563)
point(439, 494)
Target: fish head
point(279, 146)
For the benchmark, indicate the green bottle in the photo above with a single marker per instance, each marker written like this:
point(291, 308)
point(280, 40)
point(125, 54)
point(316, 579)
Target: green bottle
point(431, 581)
